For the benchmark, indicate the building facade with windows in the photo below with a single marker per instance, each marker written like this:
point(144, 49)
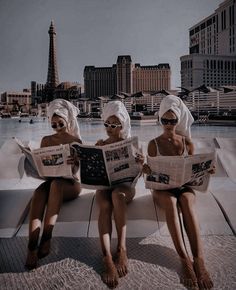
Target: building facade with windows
point(212, 50)
point(125, 76)
point(99, 81)
point(16, 101)
point(151, 78)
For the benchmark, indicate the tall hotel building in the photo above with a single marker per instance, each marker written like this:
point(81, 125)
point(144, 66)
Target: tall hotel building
point(124, 76)
point(212, 50)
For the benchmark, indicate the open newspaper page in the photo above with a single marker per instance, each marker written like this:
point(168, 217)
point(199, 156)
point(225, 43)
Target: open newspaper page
point(29, 164)
point(103, 167)
point(52, 161)
point(197, 170)
point(47, 161)
point(175, 171)
point(167, 172)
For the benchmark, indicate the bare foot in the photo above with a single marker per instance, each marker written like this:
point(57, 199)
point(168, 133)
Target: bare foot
point(121, 262)
point(110, 275)
point(44, 248)
point(31, 260)
point(203, 277)
point(189, 280)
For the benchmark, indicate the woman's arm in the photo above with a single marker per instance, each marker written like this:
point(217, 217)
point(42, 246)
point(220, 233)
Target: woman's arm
point(74, 159)
point(78, 140)
point(100, 142)
point(189, 146)
point(44, 142)
point(151, 152)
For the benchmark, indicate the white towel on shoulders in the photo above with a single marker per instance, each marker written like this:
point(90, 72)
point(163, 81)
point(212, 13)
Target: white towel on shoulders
point(68, 112)
point(117, 108)
point(185, 118)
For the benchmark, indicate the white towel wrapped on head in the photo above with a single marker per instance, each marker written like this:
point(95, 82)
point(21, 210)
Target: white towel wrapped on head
point(117, 108)
point(176, 105)
point(68, 112)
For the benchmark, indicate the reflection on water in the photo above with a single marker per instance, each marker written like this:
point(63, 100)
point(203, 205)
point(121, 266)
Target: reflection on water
point(92, 130)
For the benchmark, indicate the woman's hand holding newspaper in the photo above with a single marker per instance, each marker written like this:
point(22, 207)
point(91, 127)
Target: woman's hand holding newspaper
point(212, 170)
point(146, 169)
point(139, 158)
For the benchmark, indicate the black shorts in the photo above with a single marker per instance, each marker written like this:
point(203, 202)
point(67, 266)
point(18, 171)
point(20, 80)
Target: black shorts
point(179, 190)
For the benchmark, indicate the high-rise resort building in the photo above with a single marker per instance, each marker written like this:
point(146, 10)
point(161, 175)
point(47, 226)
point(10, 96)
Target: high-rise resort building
point(125, 76)
point(212, 50)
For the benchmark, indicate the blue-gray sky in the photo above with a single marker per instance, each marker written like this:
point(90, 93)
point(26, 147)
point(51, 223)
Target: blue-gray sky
point(93, 32)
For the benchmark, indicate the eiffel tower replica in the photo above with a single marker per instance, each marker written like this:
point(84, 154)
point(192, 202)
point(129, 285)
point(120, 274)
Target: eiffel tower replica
point(52, 77)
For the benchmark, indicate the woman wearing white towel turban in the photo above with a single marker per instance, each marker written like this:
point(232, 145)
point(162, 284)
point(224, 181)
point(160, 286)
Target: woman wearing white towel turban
point(68, 112)
point(117, 124)
point(176, 120)
point(117, 108)
point(185, 118)
point(48, 197)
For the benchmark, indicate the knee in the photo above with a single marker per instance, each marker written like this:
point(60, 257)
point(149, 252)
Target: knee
point(39, 194)
point(56, 185)
point(165, 201)
point(105, 206)
point(117, 197)
point(170, 203)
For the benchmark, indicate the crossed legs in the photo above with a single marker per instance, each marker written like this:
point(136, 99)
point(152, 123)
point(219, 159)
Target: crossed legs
point(195, 274)
point(47, 200)
point(113, 201)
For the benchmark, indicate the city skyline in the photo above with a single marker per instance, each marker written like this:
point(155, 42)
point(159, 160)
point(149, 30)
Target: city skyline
point(93, 33)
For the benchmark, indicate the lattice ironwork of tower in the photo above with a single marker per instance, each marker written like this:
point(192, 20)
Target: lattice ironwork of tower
point(52, 77)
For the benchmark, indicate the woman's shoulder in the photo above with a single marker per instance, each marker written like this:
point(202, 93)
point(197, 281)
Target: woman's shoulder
point(188, 143)
point(75, 139)
point(188, 140)
point(152, 150)
point(100, 142)
point(67, 138)
point(46, 137)
point(46, 141)
point(154, 141)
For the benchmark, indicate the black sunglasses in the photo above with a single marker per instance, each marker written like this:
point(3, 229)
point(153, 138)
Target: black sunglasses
point(113, 126)
point(169, 121)
point(57, 125)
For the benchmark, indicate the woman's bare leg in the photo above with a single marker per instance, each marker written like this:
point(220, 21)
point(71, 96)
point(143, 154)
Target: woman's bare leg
point(103, 197)
point(60, 190)
point(120, 197)
point(168, 202)
point(186, 202)
point(37, 208)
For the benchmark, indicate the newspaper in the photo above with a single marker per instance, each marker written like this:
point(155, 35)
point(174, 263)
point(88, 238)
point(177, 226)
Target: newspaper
point(103, 167)
point(175, 171)
point(47, 161)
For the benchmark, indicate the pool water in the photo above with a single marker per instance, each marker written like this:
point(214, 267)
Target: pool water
point(92, 130)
